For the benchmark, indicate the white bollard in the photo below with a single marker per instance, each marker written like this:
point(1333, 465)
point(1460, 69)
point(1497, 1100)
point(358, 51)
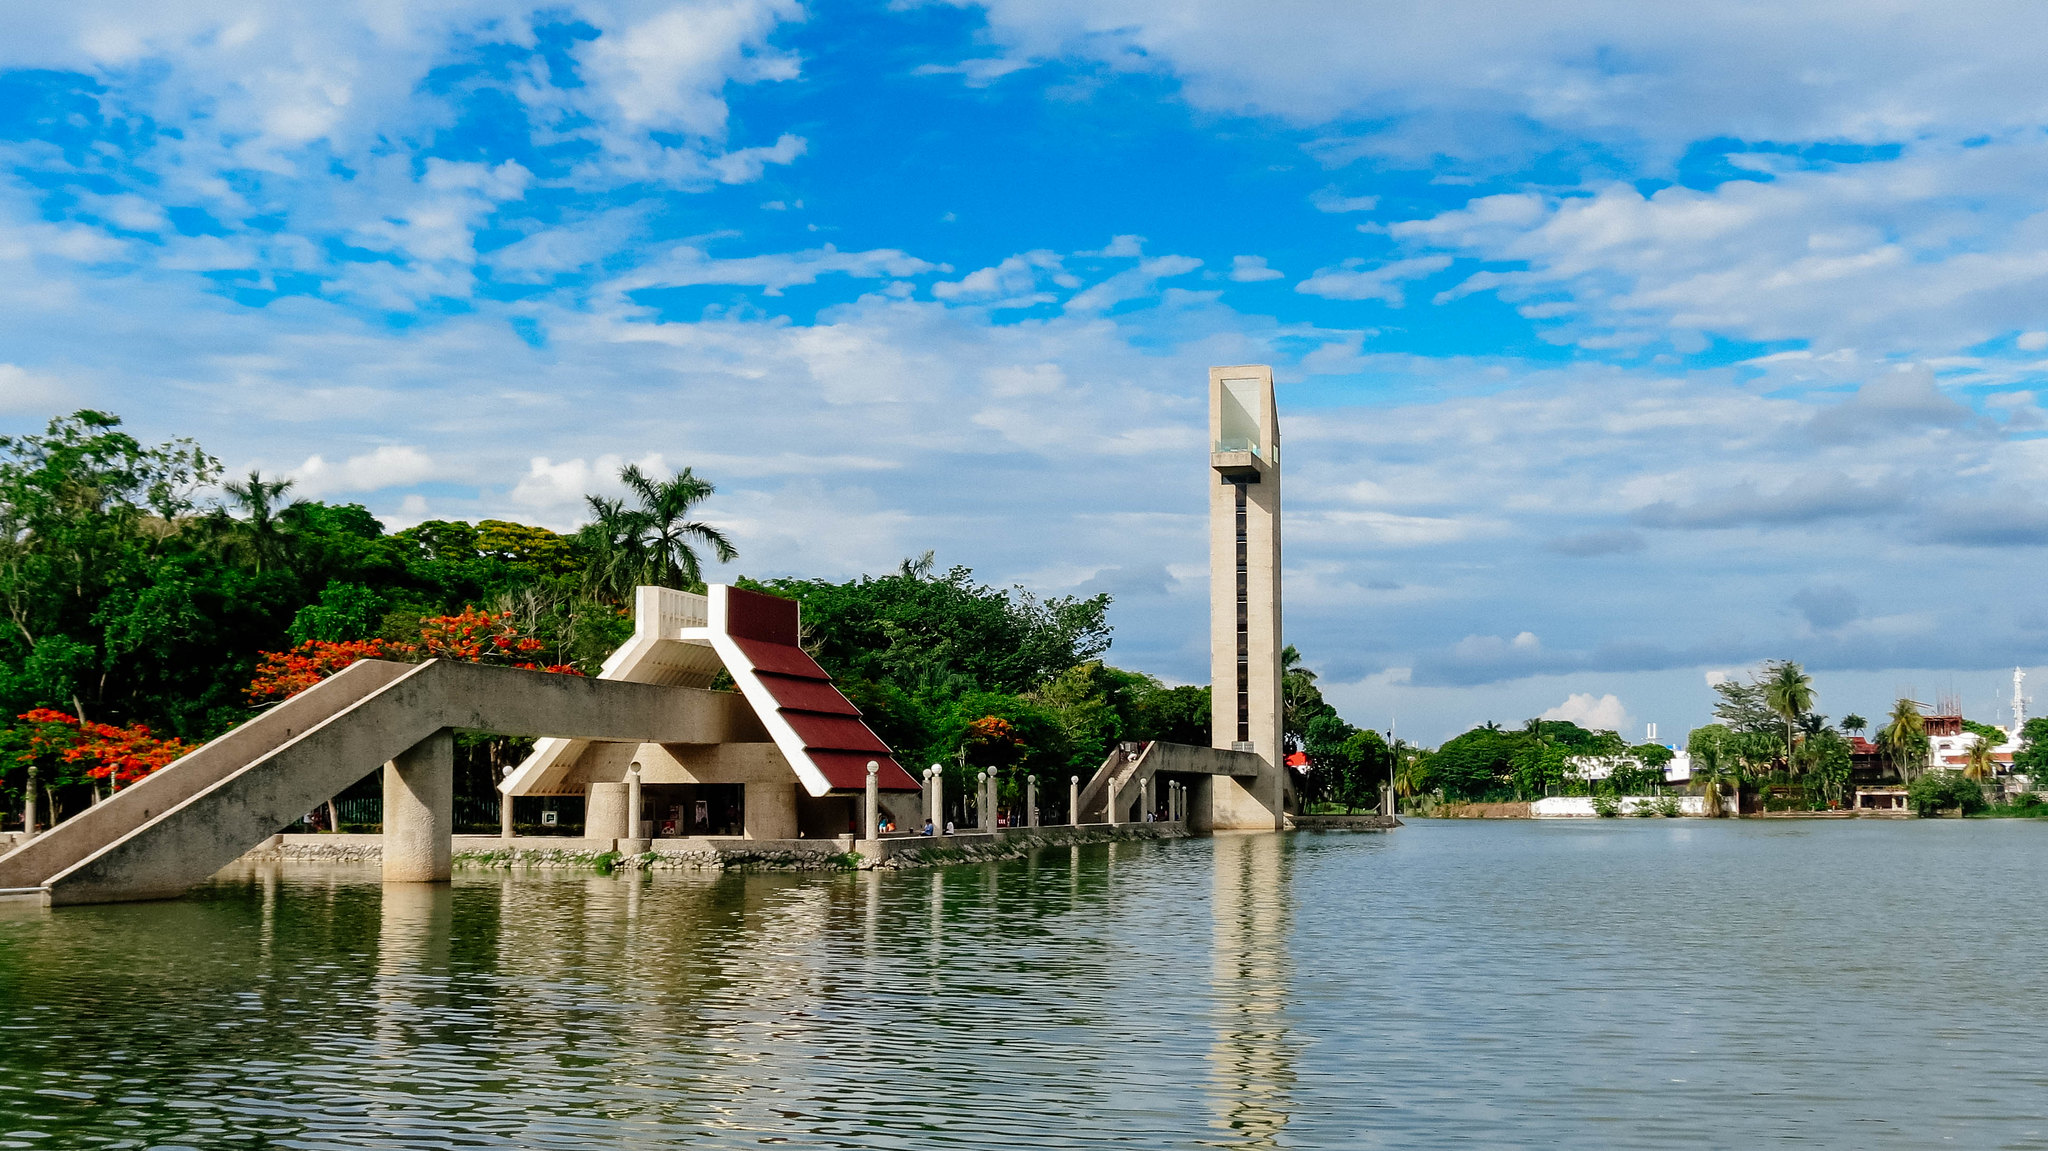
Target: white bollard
point(981, 816)
point(1031, 800)
point(1073, 801)
point(873, 809)
point(28, 811)
point(1110, 817)
point(938, 800)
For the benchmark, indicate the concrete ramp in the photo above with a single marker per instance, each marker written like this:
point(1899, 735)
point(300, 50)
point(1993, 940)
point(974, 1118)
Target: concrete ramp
point(69, 842)
point(1129, 765)
point(157, 839)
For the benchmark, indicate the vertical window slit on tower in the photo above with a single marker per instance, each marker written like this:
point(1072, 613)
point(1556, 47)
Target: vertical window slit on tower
point(1244, 647)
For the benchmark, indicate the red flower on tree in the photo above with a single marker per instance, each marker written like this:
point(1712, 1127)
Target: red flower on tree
point(283, 674)
point(471, 636)
point(122, 754)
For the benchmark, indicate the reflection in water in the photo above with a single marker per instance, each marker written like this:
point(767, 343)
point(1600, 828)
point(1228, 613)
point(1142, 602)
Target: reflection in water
point(1252, 1061)
point(1451, 984)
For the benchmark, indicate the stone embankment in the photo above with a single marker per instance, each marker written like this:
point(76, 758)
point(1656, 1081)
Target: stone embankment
point(1481, 811)
point(1344, 822)
point(841, 854)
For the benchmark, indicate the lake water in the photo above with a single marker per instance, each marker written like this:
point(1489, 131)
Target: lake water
point(1631, 983)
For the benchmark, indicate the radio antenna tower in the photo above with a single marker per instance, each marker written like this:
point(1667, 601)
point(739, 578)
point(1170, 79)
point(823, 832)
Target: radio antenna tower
point(2019, 702)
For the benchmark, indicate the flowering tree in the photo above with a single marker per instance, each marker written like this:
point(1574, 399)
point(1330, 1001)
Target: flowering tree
point(471, 636)
point(283, 674)
point(97, 751)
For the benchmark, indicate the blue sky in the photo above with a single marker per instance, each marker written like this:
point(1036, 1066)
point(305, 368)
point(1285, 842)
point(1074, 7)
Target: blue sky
point(1618, 349)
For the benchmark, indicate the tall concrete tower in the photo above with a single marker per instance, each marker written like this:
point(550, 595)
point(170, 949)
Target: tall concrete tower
point(1244, 591)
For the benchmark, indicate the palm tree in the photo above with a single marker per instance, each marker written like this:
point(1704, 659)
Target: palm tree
point(667, 556)
point(261, 534)
point(1853, 723)
point(655, 542)
point(1977, 762)
point(1709, 766)
point(1297, 686)
point(1905, 738)
point(1788, 692)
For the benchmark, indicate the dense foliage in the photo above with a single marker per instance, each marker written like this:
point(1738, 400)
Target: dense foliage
point(1934, 792)
point(1491, 762)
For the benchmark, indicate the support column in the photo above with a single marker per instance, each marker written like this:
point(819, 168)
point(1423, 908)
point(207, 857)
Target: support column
point(938, 800)
point(505, 824)
point(633, 843)
point(1073, 801)
point(873, 823)
point(419, 811)
point(1109, 816)
point(984, 818)
point(989, 791)
point(1145, 799)
point(28, 810)
point(604, 813)
point(1031, 800)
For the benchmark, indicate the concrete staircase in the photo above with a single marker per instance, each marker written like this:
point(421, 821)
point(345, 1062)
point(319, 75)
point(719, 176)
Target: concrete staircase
point(1128, 765)
point(183, 823)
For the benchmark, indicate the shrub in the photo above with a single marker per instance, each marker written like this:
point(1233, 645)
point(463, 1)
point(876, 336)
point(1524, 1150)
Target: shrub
point(2028, 803)
point(1667, 806)
point(1606, 806)
point(1938, 791)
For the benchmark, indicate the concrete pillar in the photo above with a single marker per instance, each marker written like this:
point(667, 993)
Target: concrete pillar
point(419, 811)
point(604, 812)
point(28, 809)
point(1074, 801)
point(1145, 799)
point(505, 824)
point(1031, 801)
point(771, 809)
point(926, 797)
point(873, 809)
point(984, 818)
point(990, 803)
point(1110, 816)
point(938, 800)
point(634, 843)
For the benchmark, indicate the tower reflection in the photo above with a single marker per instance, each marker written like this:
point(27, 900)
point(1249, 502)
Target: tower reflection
point(1251, 1064)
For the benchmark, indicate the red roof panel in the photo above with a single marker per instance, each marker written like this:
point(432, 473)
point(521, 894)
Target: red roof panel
point(780, 658)
point(834, 731)
point(848, 771)
point(806, 694)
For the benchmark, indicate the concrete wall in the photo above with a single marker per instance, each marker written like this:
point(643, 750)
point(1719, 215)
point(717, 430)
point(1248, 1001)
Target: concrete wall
point(1581, 806)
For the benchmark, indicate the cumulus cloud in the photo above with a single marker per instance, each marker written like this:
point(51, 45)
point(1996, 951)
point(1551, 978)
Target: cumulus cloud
point(26, 393)
point(1604, 713)
point(1251, 269)
point(388, 466)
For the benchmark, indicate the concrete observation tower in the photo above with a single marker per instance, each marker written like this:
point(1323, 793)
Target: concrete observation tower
point(1244, 591)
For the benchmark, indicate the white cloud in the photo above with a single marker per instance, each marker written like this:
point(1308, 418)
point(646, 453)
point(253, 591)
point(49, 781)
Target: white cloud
point(1331, 200)
point(1604, 713)
point(388, 466)
point(686, 265)
point(1355, 281)
point(1476, 80)
point(1251, 269)
point(28, 393)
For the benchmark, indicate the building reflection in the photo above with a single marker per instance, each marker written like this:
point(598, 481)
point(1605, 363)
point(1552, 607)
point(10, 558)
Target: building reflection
point(1251, 1065)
